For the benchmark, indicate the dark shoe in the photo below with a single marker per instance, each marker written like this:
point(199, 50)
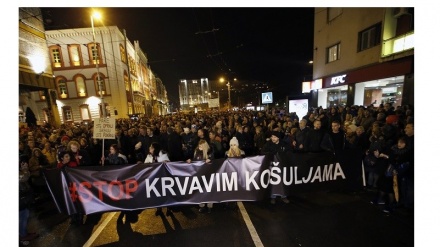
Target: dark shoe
point(169, 212)
point(209, 210)
point(158, 211)
point(285, 200)
point(388, 210)
point(376, 202)
point(202, 210)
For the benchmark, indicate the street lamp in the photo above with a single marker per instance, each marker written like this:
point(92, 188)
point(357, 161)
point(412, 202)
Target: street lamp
point(97, 15)
point(229, 91)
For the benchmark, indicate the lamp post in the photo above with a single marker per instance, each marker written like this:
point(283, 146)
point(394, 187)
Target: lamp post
point(229, 91)
point(95, 57)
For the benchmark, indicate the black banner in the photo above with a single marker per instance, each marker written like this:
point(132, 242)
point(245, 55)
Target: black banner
point(115, 188)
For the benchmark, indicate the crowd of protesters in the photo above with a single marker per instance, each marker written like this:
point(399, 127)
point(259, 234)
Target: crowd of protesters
point(384, 134)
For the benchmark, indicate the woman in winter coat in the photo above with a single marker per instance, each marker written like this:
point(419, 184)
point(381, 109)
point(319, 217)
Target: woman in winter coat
point(204, 153)
point(66, 159)
point(234, 149)
point(114, 157)
point(37, 163)
point(155, 155)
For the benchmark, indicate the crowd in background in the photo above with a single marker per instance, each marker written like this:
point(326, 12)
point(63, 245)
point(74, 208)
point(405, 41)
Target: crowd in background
point(384, 134)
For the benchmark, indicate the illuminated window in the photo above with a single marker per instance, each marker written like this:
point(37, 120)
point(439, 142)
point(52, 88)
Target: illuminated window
point(62, 88)
point(403, 43)
point(100, 85)
point(127, 85)
point(56, 56)
point(67, 113)
point(75, 55)
point(94, 53)
point(398, 44)
point(122, 51)
point(333, 53)
point(80, 86)
point(369, 37)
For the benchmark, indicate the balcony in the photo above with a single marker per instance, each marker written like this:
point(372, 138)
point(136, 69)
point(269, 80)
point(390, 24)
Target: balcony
point(398, 46)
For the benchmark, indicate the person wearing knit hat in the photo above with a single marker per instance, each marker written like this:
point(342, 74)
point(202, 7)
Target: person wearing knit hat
point(234, 150)
point(234, 141)
point(65, 139)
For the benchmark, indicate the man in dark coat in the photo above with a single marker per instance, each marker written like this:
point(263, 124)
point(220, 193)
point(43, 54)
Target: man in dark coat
point(300, 144)
point(174, 142)
point(318, 139)
point(337, 138)
point(272, 147)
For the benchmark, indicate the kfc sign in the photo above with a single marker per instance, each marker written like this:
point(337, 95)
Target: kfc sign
point(338, 80)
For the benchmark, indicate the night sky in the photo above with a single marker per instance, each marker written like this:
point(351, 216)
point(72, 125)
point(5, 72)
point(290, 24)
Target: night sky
point(272, 45)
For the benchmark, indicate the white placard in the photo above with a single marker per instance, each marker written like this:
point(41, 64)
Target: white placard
point(104, 128)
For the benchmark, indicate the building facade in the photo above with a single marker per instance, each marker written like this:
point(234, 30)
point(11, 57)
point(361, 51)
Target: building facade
point(194, 94)
point(362, 56)
point(36, 82)
point(99, 72)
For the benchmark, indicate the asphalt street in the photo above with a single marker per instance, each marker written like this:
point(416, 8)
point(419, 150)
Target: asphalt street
point(309, 220)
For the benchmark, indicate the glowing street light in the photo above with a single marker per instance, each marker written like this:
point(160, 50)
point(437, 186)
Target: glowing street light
point(229, 91)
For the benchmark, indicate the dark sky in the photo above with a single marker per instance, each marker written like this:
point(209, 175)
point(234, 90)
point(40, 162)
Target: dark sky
point(270, 45)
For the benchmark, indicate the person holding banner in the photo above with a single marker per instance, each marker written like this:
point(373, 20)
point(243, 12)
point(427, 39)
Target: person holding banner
point(66, 160)
point(114, 157)
point(402, 157)
point(81, 156)
point(204, 153)
point(273, 147)
point(155, 155)
point(234, 149)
